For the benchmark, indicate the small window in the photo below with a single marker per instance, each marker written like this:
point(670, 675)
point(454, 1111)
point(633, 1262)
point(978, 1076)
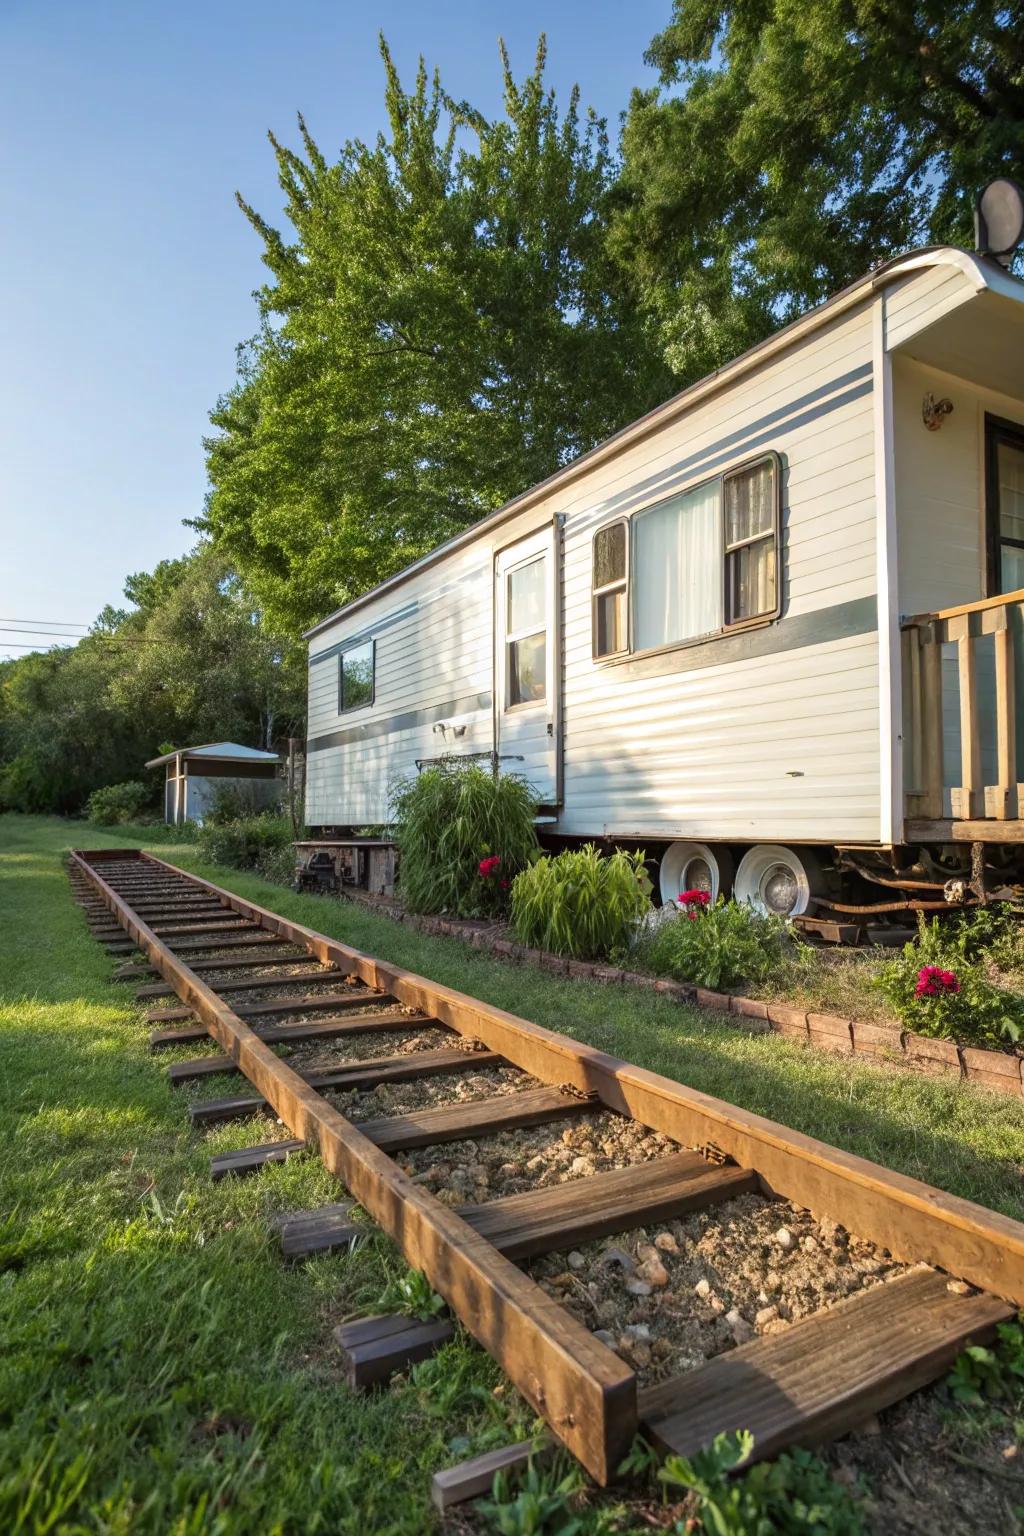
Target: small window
point(611, 590)
point(1005, 499)
point(526, 632)
point(356, 677)
point(751, 536)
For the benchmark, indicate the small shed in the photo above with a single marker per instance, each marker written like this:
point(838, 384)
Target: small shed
point(196, 775)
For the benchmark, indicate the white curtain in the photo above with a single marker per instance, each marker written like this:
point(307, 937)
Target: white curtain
point(677, 569)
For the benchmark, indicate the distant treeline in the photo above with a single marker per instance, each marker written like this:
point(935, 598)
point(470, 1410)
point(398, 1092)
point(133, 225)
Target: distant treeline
point(189, 660)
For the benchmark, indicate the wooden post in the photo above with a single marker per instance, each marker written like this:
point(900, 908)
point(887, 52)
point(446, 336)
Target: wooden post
point(1001, 798)
point(930, 642)
point(967, 798)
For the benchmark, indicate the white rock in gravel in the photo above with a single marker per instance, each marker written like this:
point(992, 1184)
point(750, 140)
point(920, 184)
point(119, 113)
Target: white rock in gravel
point(765, 1316)
point(703, 1289)
point(638, 1288)
point(576, 1260)
point(581, 1165)
point(640, 1332)
point(739, 1327)
point(959, 1288)
point(809, 1245)
point(666, 1242)
point(785, 1239)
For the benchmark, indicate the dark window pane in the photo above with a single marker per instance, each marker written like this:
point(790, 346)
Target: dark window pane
point(610, 555)
point(527, 665)
point(357, 677)
point(749, 501)
point(1011, 491)
point(750, 581)
point(611, 623)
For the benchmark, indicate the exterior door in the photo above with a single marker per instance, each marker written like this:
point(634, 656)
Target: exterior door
point(525, 663)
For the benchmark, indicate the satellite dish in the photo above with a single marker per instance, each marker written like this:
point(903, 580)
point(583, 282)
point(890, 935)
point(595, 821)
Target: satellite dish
point(999, 220)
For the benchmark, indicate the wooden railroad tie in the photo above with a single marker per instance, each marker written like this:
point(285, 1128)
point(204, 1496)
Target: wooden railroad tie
point(278, 1034)
point(818, 1378)
point(303, 1003)
point(254, 983)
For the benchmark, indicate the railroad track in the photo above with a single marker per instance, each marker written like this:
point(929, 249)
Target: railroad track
point(234, 975)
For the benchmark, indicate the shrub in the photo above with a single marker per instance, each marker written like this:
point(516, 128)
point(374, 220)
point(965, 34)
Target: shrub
point(936, 987)
point(579, 903)
point(241, 802)
point(118, 803)
point(246, 842)
point(793, 1496)
point(718, 945)
point(463, 834)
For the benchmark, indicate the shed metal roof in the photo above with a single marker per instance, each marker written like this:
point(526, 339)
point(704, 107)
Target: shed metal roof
point(223, 751)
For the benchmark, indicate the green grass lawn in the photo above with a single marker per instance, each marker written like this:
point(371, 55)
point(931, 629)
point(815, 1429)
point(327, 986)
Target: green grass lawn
point(163, 1370)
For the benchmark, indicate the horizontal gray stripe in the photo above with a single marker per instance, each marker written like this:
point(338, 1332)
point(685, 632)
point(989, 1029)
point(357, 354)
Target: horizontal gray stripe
point(397, 615)
point(857, 617)
point(715, 456)
point(405, 722)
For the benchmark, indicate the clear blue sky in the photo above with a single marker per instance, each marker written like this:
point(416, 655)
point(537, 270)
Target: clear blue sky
point(127, 269)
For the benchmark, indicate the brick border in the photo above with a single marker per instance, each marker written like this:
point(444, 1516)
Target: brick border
point(886, 1044)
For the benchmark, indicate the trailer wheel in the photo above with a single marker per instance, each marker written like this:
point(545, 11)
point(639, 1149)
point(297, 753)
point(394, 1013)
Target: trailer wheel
point(772, 878)
point(694, 867)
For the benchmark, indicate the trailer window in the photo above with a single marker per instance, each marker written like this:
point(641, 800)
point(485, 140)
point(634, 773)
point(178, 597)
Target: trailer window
point(610, 590)
point(356, 677)
point(1005, 505)
point(526, 632)
point(751, 537)
point(677, 580)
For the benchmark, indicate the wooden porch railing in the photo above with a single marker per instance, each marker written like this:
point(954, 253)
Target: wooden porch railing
point(935, 694)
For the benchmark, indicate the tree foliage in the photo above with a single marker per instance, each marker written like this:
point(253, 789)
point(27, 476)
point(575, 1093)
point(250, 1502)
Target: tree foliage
point(794, 144)
point(189, 661)
point(443, 328)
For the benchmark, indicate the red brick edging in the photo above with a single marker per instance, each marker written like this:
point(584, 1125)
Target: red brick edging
point(888, 1044)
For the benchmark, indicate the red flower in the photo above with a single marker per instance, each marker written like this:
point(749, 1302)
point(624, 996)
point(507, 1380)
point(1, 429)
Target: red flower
point(695, 899)
point(487, 867)
point(933, 981)
point(505, 884)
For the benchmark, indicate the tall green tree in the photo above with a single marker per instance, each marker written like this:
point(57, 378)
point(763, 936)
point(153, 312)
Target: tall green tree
point(444, 327)
point(793, 144)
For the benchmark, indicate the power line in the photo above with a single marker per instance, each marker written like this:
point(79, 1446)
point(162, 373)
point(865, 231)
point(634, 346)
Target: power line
point(54, 624)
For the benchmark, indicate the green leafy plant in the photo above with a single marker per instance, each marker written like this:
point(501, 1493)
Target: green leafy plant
point(719, 945)
point(793, 1496)
point(117, 804)
point(936, 987)
point(579, 903)
point(244, 843)
point(541, 1504)
point(464, 834)
point(981, 1374)
point(412, 1292)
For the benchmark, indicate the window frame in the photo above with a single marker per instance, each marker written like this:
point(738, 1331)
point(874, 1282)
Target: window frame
point(350, 709)
point(757, 621)
point(511, 638)
point(998, 429)
point(610, 587)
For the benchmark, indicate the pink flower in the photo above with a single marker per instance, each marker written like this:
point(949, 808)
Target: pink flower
point(487, 867)
point(933, 981)
point(694, 900)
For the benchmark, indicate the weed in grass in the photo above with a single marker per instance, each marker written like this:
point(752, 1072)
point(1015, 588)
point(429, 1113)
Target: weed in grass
point(982, 1375)
point(412, 1294)
point(537, 1502)
point(793, 1496)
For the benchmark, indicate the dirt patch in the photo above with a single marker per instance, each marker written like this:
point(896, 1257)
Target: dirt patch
point(533, 1158)
point(670, 1297)
point(930, 1467)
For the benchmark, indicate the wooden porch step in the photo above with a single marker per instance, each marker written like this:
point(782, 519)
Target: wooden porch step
point(581, 1210)
point(824, 1375)
point(482, 1117)
point(374, 1348)
point(320, 1231)
point(359, 1074)
point(251, 1159)
point(164, 989)
point(276, 1034)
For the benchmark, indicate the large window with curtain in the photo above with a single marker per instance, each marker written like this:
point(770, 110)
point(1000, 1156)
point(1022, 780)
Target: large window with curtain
point(699, 563)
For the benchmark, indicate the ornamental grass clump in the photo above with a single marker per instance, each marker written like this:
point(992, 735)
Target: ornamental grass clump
point(580, 904)
point(721, 944)
point(940, 986)
point(463, 835)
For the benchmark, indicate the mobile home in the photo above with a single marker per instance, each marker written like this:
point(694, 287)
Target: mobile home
point(768, 632)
